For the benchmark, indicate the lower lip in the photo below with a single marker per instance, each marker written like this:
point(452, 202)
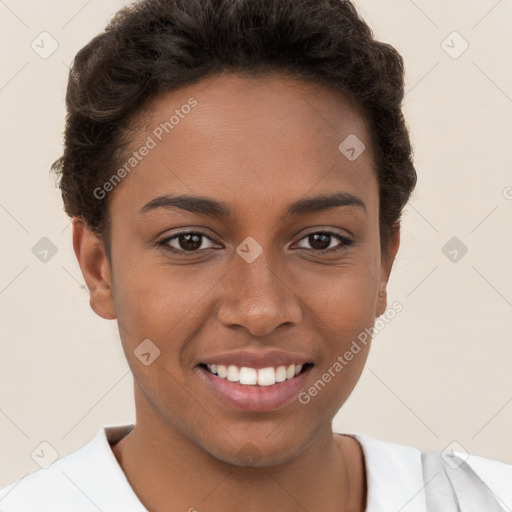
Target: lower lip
point(255, 398)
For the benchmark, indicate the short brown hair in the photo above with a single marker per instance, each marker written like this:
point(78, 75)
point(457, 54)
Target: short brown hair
point(154, 46)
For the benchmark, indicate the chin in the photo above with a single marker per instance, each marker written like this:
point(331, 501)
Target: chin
point(251, 451)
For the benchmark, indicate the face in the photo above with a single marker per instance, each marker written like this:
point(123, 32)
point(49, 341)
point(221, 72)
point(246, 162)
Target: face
point(260, 275)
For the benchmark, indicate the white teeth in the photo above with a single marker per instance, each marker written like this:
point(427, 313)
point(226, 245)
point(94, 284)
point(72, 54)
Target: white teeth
point(251, 376)
point(281, 374)
point(233, 373)
point(266, 376)
point(247, 375)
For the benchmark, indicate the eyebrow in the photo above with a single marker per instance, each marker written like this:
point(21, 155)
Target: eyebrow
point(212, 208)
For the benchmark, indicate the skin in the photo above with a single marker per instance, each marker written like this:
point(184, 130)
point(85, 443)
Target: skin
point(257, 144)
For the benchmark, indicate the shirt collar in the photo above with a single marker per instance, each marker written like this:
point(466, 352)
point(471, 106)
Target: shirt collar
point(119, 488)
point(394, 476)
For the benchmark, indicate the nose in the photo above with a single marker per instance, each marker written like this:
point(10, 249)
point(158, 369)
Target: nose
point(259, 296)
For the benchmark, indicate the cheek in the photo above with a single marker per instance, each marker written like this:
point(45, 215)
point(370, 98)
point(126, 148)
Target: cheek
point(341, 304)
point(153, 295)
point(342, 314)
point(342, 298)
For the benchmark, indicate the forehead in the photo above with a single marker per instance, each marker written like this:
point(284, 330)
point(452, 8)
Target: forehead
point(249, 141)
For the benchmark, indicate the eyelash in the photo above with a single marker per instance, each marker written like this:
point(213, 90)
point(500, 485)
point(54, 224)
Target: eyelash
point(345, 242)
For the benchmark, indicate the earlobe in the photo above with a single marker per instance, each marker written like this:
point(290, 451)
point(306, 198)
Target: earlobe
point(95, 268)
point(387, 264)
point(382, 303)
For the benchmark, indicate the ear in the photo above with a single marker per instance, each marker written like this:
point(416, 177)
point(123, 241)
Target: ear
point(387, 259)
point(95, 267)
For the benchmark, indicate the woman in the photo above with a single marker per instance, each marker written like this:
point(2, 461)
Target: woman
point(236, 172)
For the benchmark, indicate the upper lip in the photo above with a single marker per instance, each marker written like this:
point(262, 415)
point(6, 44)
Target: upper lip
point(257, 360)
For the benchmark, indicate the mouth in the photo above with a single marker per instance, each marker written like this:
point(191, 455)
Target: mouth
point(247, 376)
point(255, 389)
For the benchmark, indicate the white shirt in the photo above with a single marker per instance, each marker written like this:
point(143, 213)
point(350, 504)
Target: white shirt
point(90, 479)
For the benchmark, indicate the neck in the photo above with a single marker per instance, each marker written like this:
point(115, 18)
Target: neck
point(168, 471)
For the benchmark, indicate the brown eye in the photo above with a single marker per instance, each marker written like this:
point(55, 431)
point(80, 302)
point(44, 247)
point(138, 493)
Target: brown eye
point(186, 241)
point(318, 241)
point(321, 241)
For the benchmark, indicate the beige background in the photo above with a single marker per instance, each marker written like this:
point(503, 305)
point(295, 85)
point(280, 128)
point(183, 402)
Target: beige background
point(438, 373)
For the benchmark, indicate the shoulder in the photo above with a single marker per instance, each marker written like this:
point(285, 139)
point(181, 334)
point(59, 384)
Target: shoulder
point(407, 477)
point(55, 484)
point(81, 481)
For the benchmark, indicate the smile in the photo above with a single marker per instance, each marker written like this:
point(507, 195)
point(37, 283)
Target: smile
point(255, 390)
point(256, 377)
